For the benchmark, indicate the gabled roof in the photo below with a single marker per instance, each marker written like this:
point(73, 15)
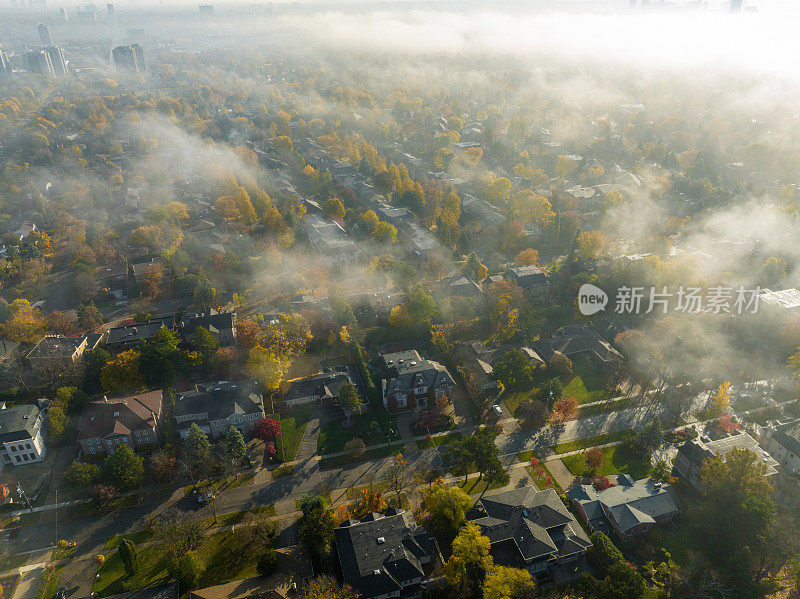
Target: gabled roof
point(526, 524)
point(575, 339)
point(120, 416)
point(405, 370)
point(381, 551)
point(220, 400)
point(213, 319)
point(788, 436)
point(325, 384)
point(527, 276)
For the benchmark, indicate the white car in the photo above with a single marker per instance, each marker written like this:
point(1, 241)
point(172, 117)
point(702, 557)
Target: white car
point(497, 410)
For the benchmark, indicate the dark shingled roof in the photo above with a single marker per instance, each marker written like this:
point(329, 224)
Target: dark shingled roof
point(631, 503)
point(18, 423)
point(220, 400)
point(325, 385)
point(788, 435)
point(533, 523)
point(407, 369)
point(381, 551)
point(575, 339)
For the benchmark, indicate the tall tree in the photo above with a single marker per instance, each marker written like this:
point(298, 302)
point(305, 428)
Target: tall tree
point(470, 561)
point(508, 583)
point(349, 400)
point(123, 469)
point(236, 447)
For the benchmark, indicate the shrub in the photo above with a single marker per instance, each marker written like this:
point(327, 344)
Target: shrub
point(355, 448)
point(603, 550)
point(267, 563)
point(187, 570)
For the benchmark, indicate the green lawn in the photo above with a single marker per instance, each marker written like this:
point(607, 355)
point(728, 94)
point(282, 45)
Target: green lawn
point(226, 555)
point(589, 442)
point(617, 459)
point(60, 553)
point(293, 426)
point(587, 384)
point(283, 471)
point(51, 581)
point(542, 481)
point(139, 536)
point(372, 454)
point(438, 440)
point(220, 484)
point(513, 400)
point(475, 485)
point(609, 406)
point(525, 456)
point(238, 517)
point(334, 436)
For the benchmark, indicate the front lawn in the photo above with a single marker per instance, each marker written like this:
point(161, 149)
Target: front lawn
point(587, 385)
point(371, 454)
point(220, 484)
point(438, 440)
point(545, 481)
point(139, 536)
point(293, 426)
point(226, 556)
point(475, 485)
point(333, 436)
point(514, 400)
point(577, 444)
point(618, 459)
point(51, 581)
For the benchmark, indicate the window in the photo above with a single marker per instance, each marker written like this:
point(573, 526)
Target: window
point(24, 457)
point(33, 456)
point(91, 450)
point(18, 460)
point(89, 442)
point(27, 445)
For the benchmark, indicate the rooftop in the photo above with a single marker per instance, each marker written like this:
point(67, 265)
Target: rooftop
point(19, 422)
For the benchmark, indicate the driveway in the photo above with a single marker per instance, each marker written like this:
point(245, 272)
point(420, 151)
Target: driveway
point(29, 579)
point(308, 444)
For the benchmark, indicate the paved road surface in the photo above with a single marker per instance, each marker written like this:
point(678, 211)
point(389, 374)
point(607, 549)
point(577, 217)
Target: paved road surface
point(30, 576)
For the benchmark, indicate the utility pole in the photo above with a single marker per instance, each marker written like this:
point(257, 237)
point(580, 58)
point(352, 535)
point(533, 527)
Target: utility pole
point(23, 495)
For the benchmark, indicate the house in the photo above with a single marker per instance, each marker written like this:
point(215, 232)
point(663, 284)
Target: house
point(113, 280)
point(529, 278)
point(331, 242)
point(459, 286)
point(577, 340)
point(61, 349)
point(482, 211)
point(532, 529)
point(167, 590)
point(694, 452)
point(627, 509)
point(134, 421)
point(407, 379)
point(322, 388)
point(21, 439)
point(782, 441)
point(384, 555)
point(220, 324)
point(478, 358)
point(128, 336)
point(143, 270)
point(217, 406)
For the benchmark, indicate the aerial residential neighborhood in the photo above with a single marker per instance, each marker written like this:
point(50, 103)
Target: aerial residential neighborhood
point(415, 300)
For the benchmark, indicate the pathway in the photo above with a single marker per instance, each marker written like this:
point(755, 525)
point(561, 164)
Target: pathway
point(28, 584)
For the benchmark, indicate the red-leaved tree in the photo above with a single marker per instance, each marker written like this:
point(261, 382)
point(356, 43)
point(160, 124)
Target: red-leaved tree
point(267, 429)
point(601, 483)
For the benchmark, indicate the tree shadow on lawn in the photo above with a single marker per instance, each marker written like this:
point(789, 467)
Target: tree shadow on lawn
point(227, 559)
